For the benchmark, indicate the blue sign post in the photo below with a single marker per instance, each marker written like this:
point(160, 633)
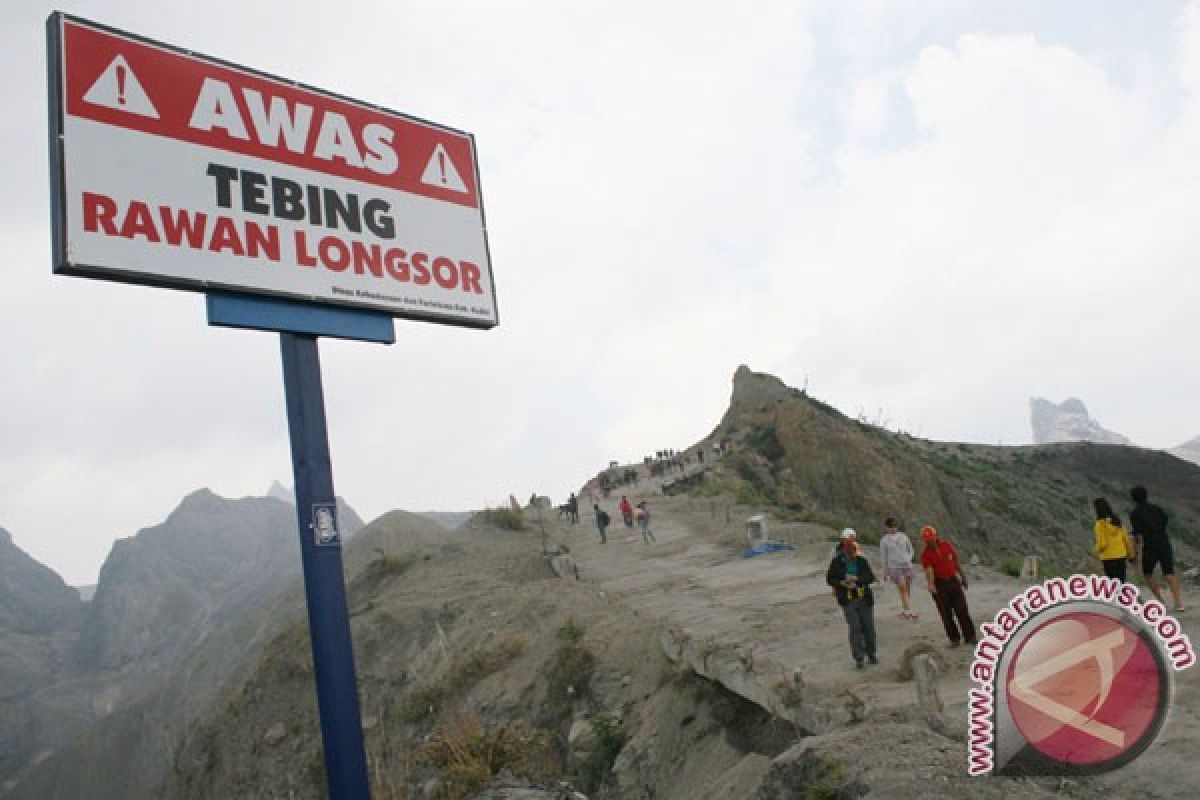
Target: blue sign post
point(324, 586)
point(316, 512)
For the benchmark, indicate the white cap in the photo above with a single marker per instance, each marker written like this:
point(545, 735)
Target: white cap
point(849, 533)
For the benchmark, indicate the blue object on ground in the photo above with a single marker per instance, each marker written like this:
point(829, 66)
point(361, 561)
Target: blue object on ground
point(765, 547)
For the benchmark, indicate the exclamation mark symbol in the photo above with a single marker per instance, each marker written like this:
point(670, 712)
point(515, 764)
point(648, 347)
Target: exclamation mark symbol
point(121, 84)
point(442, 165)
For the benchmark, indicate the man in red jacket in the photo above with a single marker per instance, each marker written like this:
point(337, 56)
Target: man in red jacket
point(947, 583)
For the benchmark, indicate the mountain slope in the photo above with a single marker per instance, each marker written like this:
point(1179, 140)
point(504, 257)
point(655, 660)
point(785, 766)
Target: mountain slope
point(802, 455)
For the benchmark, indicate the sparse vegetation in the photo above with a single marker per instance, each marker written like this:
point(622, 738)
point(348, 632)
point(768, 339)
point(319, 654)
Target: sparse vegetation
point(463, 673)
point(765, 442)
point(597, 769)
point(510, 519)
point(467, 754)
point(568, 677)
point(1011, 567)
point(570, 631)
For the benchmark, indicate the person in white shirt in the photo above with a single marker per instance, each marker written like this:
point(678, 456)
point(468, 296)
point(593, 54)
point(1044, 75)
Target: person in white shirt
point(896, 553)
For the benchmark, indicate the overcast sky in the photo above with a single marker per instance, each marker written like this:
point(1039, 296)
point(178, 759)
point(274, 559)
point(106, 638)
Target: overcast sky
point(929, 211)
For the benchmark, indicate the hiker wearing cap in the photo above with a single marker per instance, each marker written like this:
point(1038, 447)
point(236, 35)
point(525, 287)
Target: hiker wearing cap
point(851, 578)
point(947, 583)
point(896, 553)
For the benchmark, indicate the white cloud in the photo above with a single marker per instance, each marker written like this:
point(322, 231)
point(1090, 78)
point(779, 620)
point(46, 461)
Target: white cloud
point(919, 209)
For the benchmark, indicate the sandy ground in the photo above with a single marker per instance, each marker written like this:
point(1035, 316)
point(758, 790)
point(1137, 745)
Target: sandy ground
point(777, 609)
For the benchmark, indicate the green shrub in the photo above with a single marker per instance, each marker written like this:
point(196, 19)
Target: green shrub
point(766, 443)
point(609, 740)
point(570, 631)
point(1011, 567)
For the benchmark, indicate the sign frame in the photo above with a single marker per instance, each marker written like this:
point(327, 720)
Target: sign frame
point(122, 273)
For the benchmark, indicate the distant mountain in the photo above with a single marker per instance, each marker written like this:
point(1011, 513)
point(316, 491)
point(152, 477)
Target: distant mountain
point(161, 594)
point(1188, 451)
point(133, 752)
point(281, 492)
point(1068, 421)
point(39, 620)
point(449, 520)
point(33, 598)
point(171, 585)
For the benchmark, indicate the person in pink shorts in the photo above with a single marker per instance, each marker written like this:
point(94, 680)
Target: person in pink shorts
point(896, 552)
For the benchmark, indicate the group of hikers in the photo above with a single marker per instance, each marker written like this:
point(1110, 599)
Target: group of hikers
point(630, 515)
point(850, 575)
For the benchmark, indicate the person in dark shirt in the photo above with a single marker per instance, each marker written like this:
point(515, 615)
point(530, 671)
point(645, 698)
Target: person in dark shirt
point(851, 577)
point(1149, 524)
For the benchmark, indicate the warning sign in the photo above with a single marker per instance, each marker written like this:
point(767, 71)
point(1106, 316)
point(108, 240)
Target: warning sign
point(179, 170)
point(441, 172)
point(117, 87)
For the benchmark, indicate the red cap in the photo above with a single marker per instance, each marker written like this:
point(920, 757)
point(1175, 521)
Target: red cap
point(929, 532)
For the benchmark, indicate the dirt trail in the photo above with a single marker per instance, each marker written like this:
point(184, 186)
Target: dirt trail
point(761, 625)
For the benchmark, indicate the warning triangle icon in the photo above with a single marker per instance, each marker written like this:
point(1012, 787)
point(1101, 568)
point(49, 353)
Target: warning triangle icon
point(118, 88)
point(440, 172)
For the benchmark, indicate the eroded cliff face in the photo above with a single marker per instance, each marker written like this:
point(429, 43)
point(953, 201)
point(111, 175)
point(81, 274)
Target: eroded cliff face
point(787, 449)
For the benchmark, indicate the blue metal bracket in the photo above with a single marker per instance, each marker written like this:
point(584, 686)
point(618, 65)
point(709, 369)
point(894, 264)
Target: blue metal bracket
point(231, 310)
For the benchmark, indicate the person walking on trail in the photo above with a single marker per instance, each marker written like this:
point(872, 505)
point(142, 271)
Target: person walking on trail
point(602, 520)
point(948, 584)
point(1149, 524)
point(850, 577)
point(573, 509)
point(896, 553)
point(643, 520)
point(626, 511)
point(1113, 545)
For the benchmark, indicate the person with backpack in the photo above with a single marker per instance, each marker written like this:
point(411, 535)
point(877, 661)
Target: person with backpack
point(850, 576)
point(602, 520)
point(573, 509)
point(1112, 541)
point(626, 511)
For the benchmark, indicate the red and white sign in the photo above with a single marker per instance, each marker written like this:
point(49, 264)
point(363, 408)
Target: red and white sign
point(178, 170)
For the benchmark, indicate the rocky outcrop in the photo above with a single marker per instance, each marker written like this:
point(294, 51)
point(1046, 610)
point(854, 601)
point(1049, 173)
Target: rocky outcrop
point(1068, 421)
point(165, 589)
point(1188, 451)
point(33, 598)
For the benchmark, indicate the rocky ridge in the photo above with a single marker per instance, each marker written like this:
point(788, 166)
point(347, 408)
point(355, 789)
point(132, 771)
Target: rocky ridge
point(161, 594)
point(1069, 421)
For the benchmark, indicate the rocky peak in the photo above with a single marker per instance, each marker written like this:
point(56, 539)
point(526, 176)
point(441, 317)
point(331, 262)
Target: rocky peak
point(281, 493)
point(1188, 451)
point(1068, 421)
point(754, 392)
point(33, 598)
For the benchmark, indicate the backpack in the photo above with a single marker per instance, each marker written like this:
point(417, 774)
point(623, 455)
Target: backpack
point(604, 519)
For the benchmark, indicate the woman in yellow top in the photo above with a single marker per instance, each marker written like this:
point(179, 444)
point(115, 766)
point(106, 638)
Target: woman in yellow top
point(1112, 542)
